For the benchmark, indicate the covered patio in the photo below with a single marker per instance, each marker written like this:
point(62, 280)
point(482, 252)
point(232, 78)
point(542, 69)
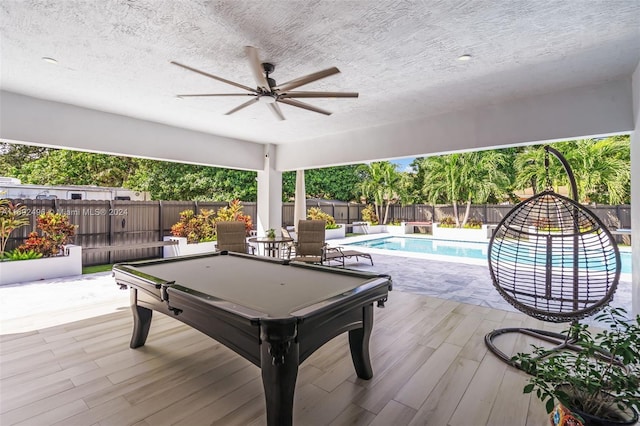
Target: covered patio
point(66, 361)
point(433, 77)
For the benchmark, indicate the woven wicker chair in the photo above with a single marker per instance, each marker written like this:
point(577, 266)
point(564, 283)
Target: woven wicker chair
point(553, 259)
point(311, 245)
point(232, 236)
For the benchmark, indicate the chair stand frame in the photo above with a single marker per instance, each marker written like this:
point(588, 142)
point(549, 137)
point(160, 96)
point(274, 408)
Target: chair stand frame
point(562, 341)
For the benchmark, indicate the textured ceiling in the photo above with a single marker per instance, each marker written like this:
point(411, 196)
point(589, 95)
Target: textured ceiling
point(401, 56)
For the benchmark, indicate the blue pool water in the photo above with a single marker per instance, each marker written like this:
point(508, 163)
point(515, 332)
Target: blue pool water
point(451, 248)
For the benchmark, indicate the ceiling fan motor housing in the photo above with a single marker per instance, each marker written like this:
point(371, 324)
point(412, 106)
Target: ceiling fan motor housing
point(268, 67)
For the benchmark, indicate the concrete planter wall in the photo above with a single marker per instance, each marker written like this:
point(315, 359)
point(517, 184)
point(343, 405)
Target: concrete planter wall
point(332, 234)
point(461, 234)
point(19, 271)
point(399, 229)
point(369, 229)
point(184, 249)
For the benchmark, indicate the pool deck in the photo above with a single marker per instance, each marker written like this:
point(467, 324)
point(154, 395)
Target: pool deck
point(460, 279)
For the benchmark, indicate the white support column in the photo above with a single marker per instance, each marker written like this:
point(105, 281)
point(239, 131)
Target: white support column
point(269, 194)
point(635, 194)
point(300, 207)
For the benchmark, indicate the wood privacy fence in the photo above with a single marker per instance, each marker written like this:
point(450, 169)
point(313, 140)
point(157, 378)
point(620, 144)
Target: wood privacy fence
point(128, 223)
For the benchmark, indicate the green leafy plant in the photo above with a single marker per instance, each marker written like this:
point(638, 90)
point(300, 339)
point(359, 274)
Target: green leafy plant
point(601, 380)
point(447, 222)
point(56, 232)
point(316, 213)
point(195, 228)
point(12, 217)
point(473, 223)
point(22, 255)
point(369, 215)
point(271, 233)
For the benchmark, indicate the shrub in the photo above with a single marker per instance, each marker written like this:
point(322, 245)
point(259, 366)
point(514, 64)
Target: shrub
point(195, 228)
point(234, 212)
point(473, 223)
point(56, 231)
point(202, 227)
point(315, 213)
point(447, 222)
point(21, 255)
point(38, 244)
point(369, 215)
point(12, 217)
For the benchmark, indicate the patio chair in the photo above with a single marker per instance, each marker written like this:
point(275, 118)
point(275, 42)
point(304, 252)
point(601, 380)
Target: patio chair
point(232, 236)
point(310, 246)
point(553, 259)
point(338, 254)
point(287, 249)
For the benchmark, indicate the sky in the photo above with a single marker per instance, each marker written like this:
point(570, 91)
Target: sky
point(403, 163)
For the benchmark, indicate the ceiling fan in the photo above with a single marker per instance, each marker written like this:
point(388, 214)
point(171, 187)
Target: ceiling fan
point(270, 93)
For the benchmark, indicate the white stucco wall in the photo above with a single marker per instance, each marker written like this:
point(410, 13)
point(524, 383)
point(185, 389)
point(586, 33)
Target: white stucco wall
point(54, 124)
point(573, 113)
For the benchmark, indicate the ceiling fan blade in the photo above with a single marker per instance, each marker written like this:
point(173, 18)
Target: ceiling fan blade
point(300, 81)
point(214, 94)
point(242, 86)
point(256, 68)
point(319, 95)
point(275, 108)
point(244, 105)
point(302, 105)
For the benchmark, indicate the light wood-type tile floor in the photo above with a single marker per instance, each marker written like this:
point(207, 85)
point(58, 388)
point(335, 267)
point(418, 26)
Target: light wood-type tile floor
point(73, 366)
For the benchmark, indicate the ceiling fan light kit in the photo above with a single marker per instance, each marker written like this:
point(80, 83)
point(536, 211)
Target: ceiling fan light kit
point(268, 91)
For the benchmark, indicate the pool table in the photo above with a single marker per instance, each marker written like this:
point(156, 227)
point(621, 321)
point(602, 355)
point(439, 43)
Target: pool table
point(274, 313)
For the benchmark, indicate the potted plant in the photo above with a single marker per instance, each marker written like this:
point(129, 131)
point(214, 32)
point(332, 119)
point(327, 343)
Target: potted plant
point(600, 382)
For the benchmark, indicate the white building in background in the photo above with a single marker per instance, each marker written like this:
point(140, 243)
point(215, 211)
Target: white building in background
point(12, 188)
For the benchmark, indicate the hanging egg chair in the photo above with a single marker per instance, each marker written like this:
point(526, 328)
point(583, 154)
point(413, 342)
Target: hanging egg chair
point(553, 259)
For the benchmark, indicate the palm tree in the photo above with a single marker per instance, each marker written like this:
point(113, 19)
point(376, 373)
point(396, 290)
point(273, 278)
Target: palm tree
point(600, 165)
point(602, 168)
point(383, 183)
point(464, 178)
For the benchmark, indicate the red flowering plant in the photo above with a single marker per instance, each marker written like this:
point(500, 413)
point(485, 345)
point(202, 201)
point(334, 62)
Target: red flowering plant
point(56, 232)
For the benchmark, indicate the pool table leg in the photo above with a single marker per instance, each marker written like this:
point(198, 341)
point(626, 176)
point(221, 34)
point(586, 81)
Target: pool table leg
point(141, 321)
point(279, 359)
point(359, 344)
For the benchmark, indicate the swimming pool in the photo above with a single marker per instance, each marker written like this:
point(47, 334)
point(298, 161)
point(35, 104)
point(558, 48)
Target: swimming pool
point(469, 250)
